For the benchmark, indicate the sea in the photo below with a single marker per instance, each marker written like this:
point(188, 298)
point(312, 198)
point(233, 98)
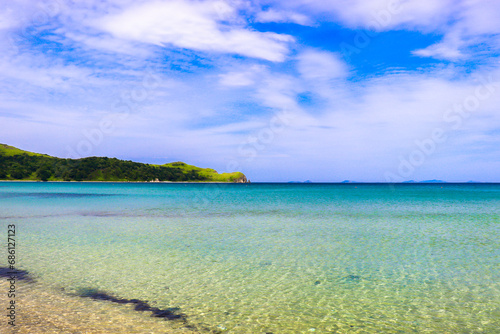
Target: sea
point(263, 257)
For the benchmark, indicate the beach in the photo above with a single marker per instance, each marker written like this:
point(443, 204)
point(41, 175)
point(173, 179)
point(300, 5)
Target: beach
point(43, 311)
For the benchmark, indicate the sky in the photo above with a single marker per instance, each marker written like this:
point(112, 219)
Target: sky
point(363, 90)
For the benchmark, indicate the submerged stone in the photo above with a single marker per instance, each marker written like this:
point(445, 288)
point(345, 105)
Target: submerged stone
point(140, 305)
point(351, 278)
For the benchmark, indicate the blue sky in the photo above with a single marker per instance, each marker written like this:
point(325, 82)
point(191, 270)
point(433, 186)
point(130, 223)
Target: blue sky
point(365, 90)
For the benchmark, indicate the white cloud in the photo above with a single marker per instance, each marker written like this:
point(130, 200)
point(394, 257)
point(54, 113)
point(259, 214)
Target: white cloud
point(108, 44)
point(448, 49)
point(272, 15)
point(6, 20)
point(440, 51)
point(194, 25)
point(15, 14)
point(464, 24)
point(365, 129)
point(472, 23)
point(41, 73)
point(243, 77)
point(321, 65)
point(236, 79)
point(477, 17)
point(360, 132)
point(377, 14)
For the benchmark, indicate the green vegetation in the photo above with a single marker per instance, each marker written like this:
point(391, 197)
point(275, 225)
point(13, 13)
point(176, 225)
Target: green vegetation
point(208, 173)
point(16, 164)
point(7, 150)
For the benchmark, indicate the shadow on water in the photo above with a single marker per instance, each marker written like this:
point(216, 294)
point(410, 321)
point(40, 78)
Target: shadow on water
point(172, 313)
point(18, 274)
point(140, 305)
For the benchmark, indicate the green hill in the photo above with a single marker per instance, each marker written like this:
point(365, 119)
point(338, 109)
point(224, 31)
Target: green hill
point(9, 151)
point(16, 164)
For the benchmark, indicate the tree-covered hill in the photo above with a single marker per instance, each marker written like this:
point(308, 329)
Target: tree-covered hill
point(16, 164)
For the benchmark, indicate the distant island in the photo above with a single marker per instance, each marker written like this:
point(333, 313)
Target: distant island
point(16, 164)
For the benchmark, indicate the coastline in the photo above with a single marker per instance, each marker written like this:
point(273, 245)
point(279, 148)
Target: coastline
point(178, 182)
point(257, 182)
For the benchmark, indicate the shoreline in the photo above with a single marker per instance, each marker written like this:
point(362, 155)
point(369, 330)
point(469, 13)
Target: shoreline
point(40, 309)
point(264, 182)
point(179, 182)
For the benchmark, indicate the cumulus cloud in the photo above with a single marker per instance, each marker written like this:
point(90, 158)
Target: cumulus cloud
point(376, 14)
point(464, 24)
point(194, 25)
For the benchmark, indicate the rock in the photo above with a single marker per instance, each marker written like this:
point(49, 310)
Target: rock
point(352, 278)
point(242, 179)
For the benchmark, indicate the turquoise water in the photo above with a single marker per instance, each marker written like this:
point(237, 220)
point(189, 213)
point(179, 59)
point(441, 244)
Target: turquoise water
point(272, 258)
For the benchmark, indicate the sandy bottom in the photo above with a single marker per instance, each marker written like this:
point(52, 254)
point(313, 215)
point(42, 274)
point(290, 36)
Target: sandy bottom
point(40, 311)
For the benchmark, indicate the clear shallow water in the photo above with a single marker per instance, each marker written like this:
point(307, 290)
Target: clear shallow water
point(280, 258)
